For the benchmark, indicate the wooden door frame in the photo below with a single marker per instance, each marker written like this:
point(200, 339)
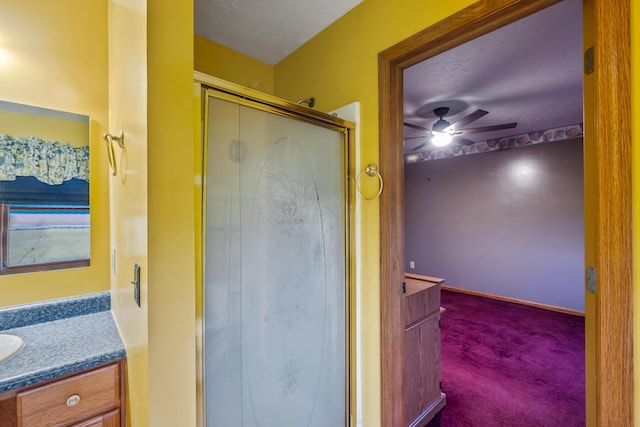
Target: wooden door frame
point(612, 116)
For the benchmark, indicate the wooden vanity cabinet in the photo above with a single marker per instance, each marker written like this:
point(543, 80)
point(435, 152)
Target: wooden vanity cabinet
point(111, 419)
point(91, 398)
point(423, 395)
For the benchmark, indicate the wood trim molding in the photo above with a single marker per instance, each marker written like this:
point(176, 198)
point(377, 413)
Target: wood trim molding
point(614, 318)
point(516, 301)
point(614, 302)
point(425, 278)
point(391, 245)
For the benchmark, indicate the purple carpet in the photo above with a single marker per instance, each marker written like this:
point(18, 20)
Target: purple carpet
point(510, 365)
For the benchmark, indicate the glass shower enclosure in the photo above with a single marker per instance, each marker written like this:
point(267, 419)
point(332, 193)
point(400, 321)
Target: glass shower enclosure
point(275, 263)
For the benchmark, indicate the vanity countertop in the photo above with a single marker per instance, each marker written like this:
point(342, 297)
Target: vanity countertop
point(61, 337)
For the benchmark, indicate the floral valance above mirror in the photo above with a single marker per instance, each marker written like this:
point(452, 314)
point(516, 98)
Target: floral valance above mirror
point(50, 162)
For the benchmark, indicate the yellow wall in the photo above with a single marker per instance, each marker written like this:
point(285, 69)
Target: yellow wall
point(220, 61)
point(46, 62)
point(172, 316)
point(340, 66)
point(152, 201)
point(18, 124)
point(128, 201)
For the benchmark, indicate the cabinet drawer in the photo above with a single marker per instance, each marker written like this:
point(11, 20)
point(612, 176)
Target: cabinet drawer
point(112, 419)
point(70, 399)
point(422, 299)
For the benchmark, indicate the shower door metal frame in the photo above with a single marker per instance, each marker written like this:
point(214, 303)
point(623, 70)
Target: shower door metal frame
point(206, 86)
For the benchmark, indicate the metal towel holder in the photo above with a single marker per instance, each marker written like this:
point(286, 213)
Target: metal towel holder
point(111, 153)
point(371, 170)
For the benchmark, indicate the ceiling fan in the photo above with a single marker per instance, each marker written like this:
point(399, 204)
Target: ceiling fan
point(443, 132)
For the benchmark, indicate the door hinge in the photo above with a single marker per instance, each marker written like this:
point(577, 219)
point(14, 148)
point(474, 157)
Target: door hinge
point(404, 287)
point(589, 61)
point(591, 279)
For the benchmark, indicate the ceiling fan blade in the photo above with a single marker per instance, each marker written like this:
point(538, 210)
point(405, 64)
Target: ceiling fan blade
point(418, 137)
point(419, 146)
point(412, 126)
point(466, 120)
point(487, 128)
point(462, 141)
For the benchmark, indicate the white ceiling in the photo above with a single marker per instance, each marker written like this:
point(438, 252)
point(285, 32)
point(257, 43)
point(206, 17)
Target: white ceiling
point(529, 72)
point(267, 30)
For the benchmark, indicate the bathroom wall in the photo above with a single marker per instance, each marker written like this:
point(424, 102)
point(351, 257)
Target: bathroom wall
point(53, 54)
point(219, 61)
point(171, 204)
point(128, 194)
point(151, 99)
point(507, 223)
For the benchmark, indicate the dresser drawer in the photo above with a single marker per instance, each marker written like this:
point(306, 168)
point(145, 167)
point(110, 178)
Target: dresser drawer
point(71, 399)
point(422, 299)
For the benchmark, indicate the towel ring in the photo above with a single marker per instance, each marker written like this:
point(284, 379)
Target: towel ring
point(111, 153)
point(371, 170)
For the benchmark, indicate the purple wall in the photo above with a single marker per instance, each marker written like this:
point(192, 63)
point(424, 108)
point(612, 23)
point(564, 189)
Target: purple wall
point(507, 223)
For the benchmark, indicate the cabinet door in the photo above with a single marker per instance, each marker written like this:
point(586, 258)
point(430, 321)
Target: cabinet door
point(110, 419)
point(422, 368)
point(66, 401)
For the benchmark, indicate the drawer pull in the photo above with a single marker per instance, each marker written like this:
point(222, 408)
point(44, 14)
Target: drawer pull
point(73, 400)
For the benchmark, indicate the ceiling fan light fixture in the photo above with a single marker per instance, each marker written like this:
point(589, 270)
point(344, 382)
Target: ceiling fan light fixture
point(442, 131)
point(440, 125)
point(441, 139)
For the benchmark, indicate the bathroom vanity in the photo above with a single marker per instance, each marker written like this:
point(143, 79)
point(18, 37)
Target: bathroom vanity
point(90, 398)
point(71, 370)
point(423, 395)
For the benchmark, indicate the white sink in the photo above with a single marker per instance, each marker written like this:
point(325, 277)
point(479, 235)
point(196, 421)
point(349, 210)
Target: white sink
point(10, 345)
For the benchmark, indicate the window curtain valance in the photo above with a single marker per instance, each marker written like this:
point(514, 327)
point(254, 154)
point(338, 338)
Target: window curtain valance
point(51, 162)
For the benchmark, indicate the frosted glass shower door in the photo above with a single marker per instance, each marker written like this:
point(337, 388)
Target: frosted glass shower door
point(275, 270)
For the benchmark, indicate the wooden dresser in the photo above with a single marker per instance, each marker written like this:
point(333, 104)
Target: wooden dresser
point(423, 395)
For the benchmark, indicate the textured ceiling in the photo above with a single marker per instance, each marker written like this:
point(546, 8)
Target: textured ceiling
point(267, 30)
point(529, 72)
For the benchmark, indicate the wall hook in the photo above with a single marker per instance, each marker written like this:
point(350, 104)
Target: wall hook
point(111, 153)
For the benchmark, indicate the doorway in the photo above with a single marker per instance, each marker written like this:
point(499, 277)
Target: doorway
point(612, 222)
point(499, 211)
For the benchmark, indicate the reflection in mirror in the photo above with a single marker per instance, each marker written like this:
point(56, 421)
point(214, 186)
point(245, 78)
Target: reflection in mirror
point(44, 189)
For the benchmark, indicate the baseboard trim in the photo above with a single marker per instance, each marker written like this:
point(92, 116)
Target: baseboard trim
point(516, 301)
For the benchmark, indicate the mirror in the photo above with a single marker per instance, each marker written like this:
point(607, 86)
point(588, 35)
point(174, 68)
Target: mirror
point(44, 189)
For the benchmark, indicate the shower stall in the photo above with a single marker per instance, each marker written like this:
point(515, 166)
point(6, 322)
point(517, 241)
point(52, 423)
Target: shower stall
point(275, 262)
